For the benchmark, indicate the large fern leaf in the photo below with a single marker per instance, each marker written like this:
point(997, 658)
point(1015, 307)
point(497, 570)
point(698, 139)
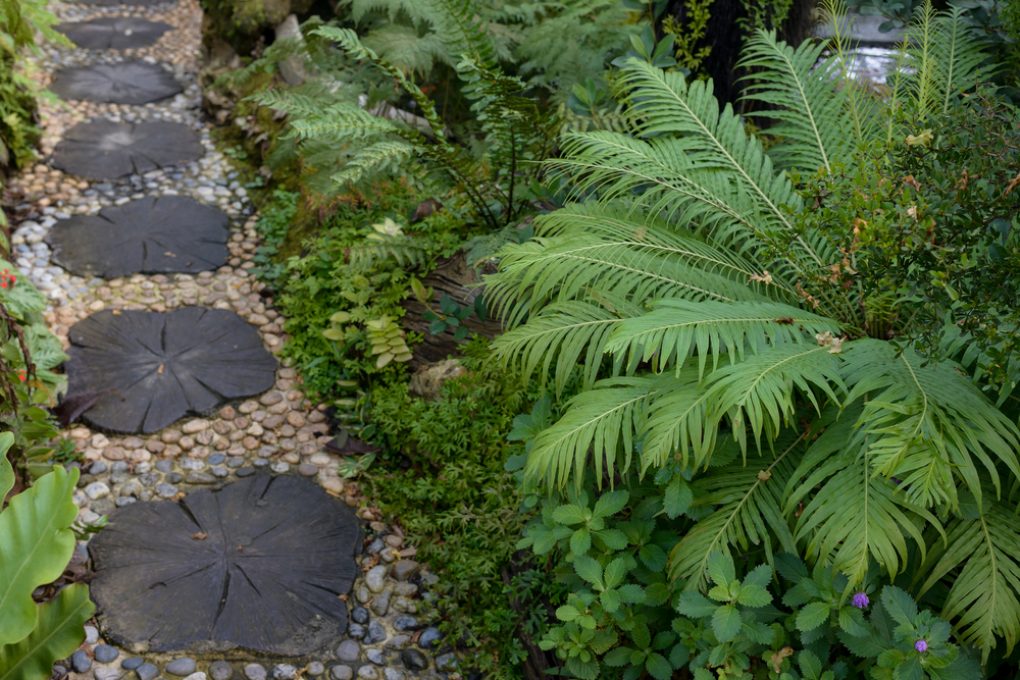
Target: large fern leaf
point(799, 91)
point(982, 552)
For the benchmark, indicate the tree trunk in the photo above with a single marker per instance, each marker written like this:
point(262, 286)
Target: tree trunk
point(460, 282)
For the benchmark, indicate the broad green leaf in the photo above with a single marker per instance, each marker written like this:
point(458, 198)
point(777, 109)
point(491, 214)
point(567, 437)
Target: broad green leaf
point(726, 622)
point(613, 538)
point(567, 613)
point(658, 667)
point(6, 471)
point(721, 569)
point(631, 593)
point(615, 572)
point(812, 615)
point(677, 498)
point(611, 503)
point(580, 541)
point(900, 605)
point(695, 605)
point(35, 545)
point(59, 631)
point(570, 514)
point(588, 569)
point(753, 596)
point(610, 600)
point(653, 557)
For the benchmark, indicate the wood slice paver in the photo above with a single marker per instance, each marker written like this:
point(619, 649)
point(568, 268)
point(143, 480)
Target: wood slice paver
point(114, 33)
point(125, 82)
point(104, 149)
point(142, 371)
point(259, 564)
point(149, 236)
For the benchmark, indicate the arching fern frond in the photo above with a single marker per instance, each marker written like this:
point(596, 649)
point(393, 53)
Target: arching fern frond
point(748, 502)
point(677, 329)
point(927, 425)
point(848, 515)
point(801, 94)
point(598, 429)
point(982, 553)
point(564, 339)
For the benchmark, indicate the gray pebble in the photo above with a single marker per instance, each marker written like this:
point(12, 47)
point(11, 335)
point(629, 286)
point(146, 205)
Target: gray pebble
point(80, 661)
point(105, 653)
point(368, 673)
point(349, 650)
point(217, 458)
point(429, 637)
point(221, 670)
point(359, 615)
point(91, 635)
point(166, 490)
point(254, 671)
point(414, 660)
point(405, 622)
point(398, 641)
point(341, 673)
point(376, 656)
point(98, 468)
point(164, 465)
point(405, 569)
point(132, 663)
point(284, 671)
point(146, 671)
point(220, 471)
point(393, 674)
point(315, 669)
point(446, 662)
point(245, 472)
point(307, 470)
point(376, 633)
point(375, 579)
point(356, 631)
point(381, 602)
point(183, 666)
point(175, 478)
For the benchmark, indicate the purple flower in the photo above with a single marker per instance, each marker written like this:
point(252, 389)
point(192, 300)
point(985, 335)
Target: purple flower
point(860, 600)
point(921, 645)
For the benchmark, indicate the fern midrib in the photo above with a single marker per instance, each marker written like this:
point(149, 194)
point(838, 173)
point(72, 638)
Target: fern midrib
point(570, 254)
point(808, 108)
point(773, 208)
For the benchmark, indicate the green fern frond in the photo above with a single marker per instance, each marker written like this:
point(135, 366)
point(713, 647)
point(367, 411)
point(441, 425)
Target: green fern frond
point(716, 142)
point(677, 329)
point(927, 424)
point(598, 429)
point(680, 425)
point(759, 393)
point(748, 512)
point(847, 514)
point(564, 339)
point(799, 92)
point(982, 552)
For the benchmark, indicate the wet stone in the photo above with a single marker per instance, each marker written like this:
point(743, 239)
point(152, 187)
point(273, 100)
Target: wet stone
point(429, 637)
point(183, 666)
point(131, 663)
point(80, 661)
point(376, 656)
point(405, 622)
point(359, 615)
point(376, 633)
point(356, 631)
point(147, 671)
point(341, 673)
point(284, 671)
point(368, 673)
point(221, 670)
point(375, 579)
point(349, 650)
point(105, 653)
point(315, 669)
point(405, 569)
point(254, 671)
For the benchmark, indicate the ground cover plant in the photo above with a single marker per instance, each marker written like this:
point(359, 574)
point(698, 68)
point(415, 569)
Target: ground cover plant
point(777, 356)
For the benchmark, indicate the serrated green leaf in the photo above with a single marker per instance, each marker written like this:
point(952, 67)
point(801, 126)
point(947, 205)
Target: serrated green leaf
point(721, 569)
point(753, 596)
point(57, 633)
point(812, 615)
point(677, 498)
point(695, 605)
point(618, 657)
point(588, 569)
point(570, 514)
point(900, 605)
point(567, 613)
point(631, 593)
point(36, 544)
point(610, 600)
point(580, 541)
point(658, 667)
point(616, 570)
point(611, 502)
point(653, 557)
point(614, 539)
point(726, 622)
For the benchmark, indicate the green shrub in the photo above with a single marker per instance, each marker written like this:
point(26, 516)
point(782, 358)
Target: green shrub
point(441, 474)
point(762, 377)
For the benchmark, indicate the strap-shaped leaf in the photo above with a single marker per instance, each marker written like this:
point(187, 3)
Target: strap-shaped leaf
point(59, 631)
point(35, 545)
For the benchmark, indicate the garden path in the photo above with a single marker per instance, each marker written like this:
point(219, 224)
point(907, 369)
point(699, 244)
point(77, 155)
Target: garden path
point(157, 236)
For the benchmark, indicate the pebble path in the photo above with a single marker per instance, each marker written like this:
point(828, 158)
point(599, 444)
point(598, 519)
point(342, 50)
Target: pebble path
point(278, 431)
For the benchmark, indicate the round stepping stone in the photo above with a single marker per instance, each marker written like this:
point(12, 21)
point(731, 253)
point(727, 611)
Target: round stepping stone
point(125, 82)
point(148, 236)
point(114, 33)
point(104, 149)
point(137, 372)
point(259, 565)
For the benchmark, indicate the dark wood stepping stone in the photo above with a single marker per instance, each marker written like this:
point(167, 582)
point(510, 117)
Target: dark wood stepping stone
point(114, 33)
point(147, 236)
point(103, 149)
point(259, 564)
point(125, 82)
point(146, 370)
